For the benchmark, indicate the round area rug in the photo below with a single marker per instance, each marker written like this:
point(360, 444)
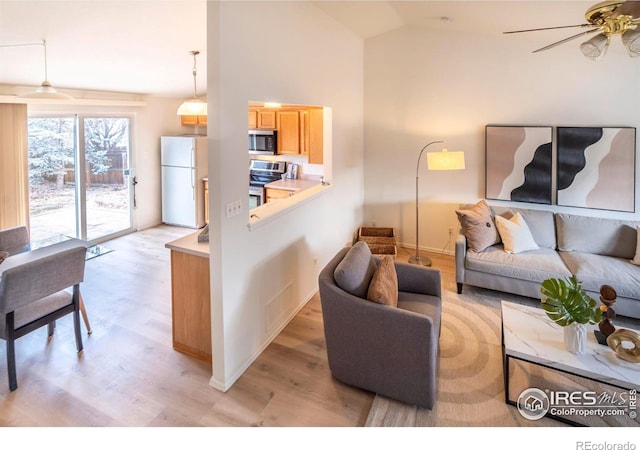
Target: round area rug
point(470, 383)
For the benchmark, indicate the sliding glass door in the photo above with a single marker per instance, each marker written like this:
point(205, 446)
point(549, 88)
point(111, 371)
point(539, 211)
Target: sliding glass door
point(79, 177)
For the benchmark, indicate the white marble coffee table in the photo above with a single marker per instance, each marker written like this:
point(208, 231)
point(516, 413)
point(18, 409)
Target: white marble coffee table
point(529, 335)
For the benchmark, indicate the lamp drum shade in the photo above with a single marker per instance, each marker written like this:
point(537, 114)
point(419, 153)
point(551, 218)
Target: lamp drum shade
point(445, 160)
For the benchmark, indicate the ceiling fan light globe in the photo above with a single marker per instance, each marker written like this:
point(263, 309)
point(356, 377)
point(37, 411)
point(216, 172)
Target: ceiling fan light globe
point(631, 40)
point(596, 47)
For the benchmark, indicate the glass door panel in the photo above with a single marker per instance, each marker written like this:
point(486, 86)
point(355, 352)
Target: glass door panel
point(52, 187)
point(79, 181)
point(106, 168)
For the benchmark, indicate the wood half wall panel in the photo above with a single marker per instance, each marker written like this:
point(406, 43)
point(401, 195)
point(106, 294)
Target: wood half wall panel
point(14, 168)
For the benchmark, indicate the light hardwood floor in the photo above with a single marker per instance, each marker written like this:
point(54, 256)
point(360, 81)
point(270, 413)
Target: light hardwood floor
point(129, 375)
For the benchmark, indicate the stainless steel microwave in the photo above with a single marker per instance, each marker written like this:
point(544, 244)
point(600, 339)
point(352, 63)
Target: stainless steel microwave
point(263, 142)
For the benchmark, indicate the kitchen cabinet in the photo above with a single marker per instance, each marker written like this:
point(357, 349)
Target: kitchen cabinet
point(315, 132)
point(262, 119)
point(277, 194)
point(304, 132)
point(288, 133)
point(300, 129)
point(253, 119)
point(190, 297)
point(193, 120)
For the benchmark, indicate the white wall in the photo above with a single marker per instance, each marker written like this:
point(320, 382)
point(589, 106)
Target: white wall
point(422, 86)
point(156, 118)
point(288, 52)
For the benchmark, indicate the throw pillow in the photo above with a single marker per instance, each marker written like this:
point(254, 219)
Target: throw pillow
point(515, 234)
point(636, 259)
point(384, 284)
point(353, 274)
point(478, 226)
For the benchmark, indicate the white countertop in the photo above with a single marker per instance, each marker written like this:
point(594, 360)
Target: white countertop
point(189, 244)
point(292, 185)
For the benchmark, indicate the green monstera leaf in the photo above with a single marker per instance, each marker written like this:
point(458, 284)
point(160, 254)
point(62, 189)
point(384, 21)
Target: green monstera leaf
point(565, 302)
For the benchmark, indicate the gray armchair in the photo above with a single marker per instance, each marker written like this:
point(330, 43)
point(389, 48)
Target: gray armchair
point(33, 293)
point(392, 351)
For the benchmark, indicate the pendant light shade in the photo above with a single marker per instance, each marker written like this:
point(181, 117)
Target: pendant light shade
point(46, 90)
point(193, 106)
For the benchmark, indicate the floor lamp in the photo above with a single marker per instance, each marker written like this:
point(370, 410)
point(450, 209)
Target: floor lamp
point(443, 160)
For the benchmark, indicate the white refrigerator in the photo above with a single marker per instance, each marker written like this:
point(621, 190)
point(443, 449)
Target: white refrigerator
point(184, 163)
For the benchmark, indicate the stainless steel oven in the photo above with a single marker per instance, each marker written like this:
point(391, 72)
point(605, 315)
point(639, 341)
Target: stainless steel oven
point(263, 142)
point(262, 172)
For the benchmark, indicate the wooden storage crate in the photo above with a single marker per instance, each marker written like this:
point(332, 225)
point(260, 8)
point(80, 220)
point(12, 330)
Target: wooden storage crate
point(377, 235)
point(383, 249)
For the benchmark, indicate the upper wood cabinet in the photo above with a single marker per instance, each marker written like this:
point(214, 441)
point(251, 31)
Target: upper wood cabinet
point(262, 118)
point(300, 129)
point(316, 136)
point(253, 119)
point(267, 119)
point(288, 133)
point(193, 120)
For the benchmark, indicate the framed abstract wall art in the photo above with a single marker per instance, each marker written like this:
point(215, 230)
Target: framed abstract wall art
point(518, 163)
point(596, 168)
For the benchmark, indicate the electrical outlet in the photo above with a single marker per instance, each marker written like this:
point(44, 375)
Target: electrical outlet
point(234, 208)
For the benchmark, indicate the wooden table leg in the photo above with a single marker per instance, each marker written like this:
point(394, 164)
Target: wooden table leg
point(84, 315)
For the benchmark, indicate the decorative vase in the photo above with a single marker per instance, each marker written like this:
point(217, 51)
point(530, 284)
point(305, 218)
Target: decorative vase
point(575, 338)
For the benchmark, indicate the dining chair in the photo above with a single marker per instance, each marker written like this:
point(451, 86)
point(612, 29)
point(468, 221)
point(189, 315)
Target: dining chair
point(37, 288)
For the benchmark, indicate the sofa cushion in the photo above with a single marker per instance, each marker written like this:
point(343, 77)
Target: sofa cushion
point(540, 223)
point(478, 226)
point(536, 265)
point(384, 283)
point(614, 237)
point(353, 274)
point(515, 234)
point(595, 270)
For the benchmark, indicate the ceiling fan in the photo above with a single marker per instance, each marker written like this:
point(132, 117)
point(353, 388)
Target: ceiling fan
point(607, 19)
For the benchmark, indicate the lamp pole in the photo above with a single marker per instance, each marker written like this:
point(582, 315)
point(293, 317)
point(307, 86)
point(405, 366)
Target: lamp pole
point(417, 259)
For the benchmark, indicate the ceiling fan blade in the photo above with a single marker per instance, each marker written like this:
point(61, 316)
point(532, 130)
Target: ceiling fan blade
point(550, 28)
point(628, 8)
point(555, 44)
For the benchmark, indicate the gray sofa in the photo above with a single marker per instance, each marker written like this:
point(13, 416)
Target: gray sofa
point(597, 251)
point(392, 351)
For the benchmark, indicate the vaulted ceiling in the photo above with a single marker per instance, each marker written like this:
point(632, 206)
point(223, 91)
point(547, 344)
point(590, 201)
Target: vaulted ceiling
point(143, 46)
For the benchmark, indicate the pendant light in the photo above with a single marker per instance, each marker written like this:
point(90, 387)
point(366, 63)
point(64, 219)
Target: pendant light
point(46, 90)
point(193, 106)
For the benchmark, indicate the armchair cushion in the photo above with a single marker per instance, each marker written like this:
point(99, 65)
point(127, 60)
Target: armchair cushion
point(384, 284)
point(353, 274)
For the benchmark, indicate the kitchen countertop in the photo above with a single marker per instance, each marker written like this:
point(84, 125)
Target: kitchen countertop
point(189, 244)
point(292, 185)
